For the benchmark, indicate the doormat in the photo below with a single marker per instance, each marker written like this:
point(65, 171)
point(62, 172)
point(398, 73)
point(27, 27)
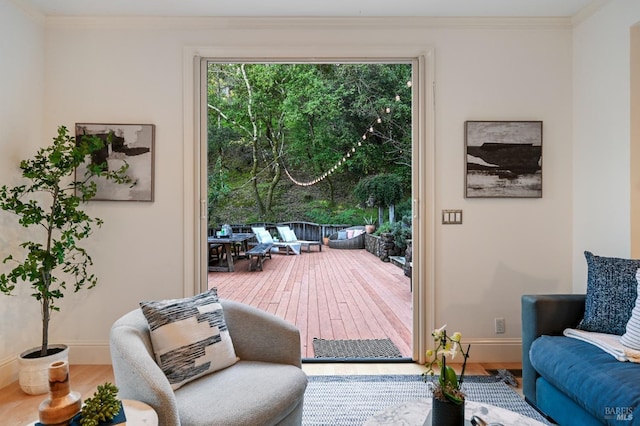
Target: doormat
point(365, 348)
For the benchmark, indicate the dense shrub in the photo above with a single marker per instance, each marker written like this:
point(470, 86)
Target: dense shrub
point(401, 231)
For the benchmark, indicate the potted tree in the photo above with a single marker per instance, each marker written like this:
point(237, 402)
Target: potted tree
point(50, 202)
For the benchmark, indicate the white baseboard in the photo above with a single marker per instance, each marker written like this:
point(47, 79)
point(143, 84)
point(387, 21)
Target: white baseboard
point(97, 353)
point(85, 353)
point(506, 350)
point(8, 371)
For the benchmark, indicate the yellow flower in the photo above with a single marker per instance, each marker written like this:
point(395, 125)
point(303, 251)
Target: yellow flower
point(429, 353)
point(456, 336)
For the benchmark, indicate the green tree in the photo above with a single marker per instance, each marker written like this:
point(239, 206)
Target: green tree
point(303, 119)
point(383, 190)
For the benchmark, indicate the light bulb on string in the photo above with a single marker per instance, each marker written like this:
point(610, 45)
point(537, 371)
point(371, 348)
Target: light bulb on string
point(371, 130)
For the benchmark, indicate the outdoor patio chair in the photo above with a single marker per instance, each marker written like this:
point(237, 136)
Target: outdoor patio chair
point(264, 237)
point(349, 238)
point(289, 236)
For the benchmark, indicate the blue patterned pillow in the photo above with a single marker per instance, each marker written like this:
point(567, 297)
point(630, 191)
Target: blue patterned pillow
point(189, 336)
point(611, 293)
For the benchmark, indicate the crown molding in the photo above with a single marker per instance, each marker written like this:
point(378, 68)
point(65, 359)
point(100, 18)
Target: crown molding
point(30, 10)
point(588, 11)
point(298, 23)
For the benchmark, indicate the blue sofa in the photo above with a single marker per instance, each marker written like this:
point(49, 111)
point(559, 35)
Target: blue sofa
point(571, 381)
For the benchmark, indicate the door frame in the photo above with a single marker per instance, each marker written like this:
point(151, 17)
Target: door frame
point(423, 158)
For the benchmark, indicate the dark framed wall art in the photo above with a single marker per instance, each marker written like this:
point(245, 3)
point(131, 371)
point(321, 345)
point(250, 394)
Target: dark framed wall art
point(503, 159)
point(130, 143)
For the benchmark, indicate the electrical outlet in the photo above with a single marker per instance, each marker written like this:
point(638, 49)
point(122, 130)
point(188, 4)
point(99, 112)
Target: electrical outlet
point(499, 325)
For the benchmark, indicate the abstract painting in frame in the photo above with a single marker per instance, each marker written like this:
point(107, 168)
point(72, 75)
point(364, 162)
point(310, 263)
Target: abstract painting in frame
point(129, 143)
point(503, 159)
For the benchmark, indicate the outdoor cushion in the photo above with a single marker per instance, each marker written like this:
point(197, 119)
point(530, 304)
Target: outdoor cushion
point(611, 293)
point(189, 336)
point(264, 237)
point(287, 234)
point(589, 376)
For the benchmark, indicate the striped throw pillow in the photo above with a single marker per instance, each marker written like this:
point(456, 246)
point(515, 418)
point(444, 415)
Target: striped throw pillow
point(631, 338)
point(189, 336)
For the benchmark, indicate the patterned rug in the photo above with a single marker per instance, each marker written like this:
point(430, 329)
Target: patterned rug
point(365, 348)
point(351, 400)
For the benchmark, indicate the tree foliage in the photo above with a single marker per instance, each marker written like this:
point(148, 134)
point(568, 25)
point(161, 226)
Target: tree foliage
point(303, 119)
point(383, 190)
point(380, 190)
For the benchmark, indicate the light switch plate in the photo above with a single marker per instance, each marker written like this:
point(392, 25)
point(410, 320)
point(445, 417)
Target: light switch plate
point(452, 217)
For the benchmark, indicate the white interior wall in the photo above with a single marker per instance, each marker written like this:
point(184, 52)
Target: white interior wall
point(131, 71)
point(503, 73)
point(601, 127)
point(21, 115)
point(505, 247)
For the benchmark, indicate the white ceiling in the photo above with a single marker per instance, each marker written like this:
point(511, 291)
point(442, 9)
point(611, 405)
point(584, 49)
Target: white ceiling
point(346, 8)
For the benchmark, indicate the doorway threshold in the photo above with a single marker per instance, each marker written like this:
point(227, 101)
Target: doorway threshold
point(356, 360)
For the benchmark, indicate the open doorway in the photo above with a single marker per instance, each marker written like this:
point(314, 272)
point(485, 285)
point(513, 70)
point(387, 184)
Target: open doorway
point(318, 148)
point(423, 174)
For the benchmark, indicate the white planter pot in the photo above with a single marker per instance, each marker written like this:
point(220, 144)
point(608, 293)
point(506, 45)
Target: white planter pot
point(33, 374)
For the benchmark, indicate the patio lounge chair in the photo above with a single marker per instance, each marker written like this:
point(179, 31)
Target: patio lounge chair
point(289, 236)
point(264, 237)
point(349, 238)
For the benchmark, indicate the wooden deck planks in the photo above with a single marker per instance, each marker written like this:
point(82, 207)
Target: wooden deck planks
point(333, 294)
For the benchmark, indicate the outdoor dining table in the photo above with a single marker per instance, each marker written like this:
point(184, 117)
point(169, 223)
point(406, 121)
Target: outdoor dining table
point(227, 247)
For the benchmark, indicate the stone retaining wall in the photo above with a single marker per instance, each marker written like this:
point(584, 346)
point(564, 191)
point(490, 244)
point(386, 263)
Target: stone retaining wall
point(371, 243)
point(384, 247)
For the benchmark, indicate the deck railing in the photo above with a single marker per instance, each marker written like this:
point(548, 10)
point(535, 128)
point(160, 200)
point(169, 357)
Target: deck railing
point(308, 231)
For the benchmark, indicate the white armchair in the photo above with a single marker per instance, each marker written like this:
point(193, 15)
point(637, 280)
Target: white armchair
point(265, 387)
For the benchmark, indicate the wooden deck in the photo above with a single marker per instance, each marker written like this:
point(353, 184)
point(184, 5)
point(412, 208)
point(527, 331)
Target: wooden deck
point(333, 294)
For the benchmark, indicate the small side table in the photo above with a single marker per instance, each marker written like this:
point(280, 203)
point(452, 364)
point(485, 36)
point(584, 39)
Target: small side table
point(137, 413)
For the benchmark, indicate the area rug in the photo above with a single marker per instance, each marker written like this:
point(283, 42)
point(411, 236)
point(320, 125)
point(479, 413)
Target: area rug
point(351, 400)
point(365, 348)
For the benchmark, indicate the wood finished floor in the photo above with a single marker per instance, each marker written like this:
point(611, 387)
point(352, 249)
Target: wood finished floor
point(18, 408)
point(333, 294)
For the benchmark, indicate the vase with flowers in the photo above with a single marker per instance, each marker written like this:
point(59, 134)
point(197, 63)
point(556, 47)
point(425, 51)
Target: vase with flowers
point(448, 396)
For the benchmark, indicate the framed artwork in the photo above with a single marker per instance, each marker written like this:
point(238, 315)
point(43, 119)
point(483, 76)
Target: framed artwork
point(130, 143)
point(503, 159)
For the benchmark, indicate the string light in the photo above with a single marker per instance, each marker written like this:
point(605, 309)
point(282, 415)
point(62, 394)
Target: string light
point(370, 130)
